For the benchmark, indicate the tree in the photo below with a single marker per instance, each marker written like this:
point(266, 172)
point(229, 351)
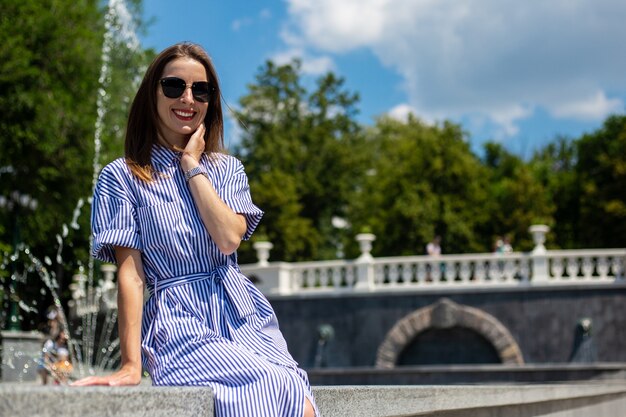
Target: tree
point(517, 199)
point(601, 170)
point(554, 167)
point(422, 180)
point(50, 65)
point(301, 151)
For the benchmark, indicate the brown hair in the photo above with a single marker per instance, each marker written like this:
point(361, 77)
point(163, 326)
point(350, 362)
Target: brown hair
point(143, 121)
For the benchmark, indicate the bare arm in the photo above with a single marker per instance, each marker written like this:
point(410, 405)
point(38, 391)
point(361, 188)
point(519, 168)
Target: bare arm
point(130, 285)
point(224, 225)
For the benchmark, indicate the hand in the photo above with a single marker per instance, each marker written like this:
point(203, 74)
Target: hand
point(194, 149)
point(126, 376)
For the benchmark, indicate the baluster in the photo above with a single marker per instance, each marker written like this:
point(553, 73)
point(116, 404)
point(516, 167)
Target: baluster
point(449, 271)
point(296, 279)
point(524, 270)
point(492, 271)
point(393, 274)
point(324, 278)
point(335, 275)
point(557, 268)
point(572, 267)
point(348, 277)
point(379, 274)
point(602, 267)
point(412, 275)
point(407, 274)
point(420, 273)
point(464, 271)
point(435, 271)
point(508, 270)
point(617, 266)
point(587, 267)
point(319, 278)
point(480, 272)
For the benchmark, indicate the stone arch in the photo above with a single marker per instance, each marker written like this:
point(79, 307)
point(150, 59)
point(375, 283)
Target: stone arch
point(445, 314)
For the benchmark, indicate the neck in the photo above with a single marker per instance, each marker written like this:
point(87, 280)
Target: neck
point(177, 143)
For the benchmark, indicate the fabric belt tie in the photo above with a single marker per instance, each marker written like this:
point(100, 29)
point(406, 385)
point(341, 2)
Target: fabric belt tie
point(232, 281)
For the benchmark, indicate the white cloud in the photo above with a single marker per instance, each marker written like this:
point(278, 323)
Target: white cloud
point(237, 24)
point(401, 112)
point(310, 65)
point(498, 59)
point(598, 106)
point(240, 23)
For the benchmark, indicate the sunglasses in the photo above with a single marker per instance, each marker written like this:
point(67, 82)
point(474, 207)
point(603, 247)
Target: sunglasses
point(174, 87)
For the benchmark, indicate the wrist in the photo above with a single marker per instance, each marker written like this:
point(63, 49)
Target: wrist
point(187, 162)
point(198, 170)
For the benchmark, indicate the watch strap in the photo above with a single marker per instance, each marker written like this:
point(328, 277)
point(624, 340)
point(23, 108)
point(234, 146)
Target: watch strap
point(199, 170)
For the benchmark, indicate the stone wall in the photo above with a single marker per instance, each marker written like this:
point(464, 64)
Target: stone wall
point(541, 320)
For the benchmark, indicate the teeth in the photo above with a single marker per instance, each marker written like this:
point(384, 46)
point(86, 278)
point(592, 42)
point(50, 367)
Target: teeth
point(183, 113)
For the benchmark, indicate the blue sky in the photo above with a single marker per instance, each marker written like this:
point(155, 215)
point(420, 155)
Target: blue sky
point(520, 73)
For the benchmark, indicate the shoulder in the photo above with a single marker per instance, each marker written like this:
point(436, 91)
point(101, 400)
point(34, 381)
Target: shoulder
point(118, 167)
point(224, 163)
point(115, 178)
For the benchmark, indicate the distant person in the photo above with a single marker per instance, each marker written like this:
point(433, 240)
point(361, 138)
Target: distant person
point(503, 246)
point(51, 329)
point(433, 248)
point(60, 365)
point(506, 245)
point(172, 214)
point(497, 246)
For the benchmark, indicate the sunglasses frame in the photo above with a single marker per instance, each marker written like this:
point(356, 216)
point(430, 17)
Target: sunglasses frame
point(199, 95)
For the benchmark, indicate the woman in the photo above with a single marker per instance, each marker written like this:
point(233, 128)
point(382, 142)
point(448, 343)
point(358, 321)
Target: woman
point(172, 214)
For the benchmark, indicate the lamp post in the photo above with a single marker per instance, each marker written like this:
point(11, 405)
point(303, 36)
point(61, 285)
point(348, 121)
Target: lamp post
point(13, 204)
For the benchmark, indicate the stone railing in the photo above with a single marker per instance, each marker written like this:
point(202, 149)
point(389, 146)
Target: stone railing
point(369, 274)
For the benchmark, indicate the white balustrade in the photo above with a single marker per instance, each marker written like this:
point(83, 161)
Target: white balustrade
point(539, 267)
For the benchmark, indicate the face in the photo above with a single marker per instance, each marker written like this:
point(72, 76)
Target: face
point(180, 117)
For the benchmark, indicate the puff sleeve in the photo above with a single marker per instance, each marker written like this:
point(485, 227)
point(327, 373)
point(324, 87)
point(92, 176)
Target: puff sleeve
point(235, 192)
point(113, 215)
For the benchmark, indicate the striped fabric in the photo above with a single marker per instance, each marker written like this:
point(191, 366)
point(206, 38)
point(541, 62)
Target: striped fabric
point(204, 323)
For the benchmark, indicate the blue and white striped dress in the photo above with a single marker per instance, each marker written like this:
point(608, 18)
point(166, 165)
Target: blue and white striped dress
point(204, 323)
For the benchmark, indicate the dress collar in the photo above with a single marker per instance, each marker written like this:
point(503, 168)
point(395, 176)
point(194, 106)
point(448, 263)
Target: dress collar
point(164, 157)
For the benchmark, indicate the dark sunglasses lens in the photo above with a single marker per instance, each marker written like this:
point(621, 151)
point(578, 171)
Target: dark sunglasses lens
point(200, 91)
point(173, 87)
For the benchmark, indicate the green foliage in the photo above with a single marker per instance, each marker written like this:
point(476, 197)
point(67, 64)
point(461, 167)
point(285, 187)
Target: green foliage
point(301, 152)
point(421, 180)
point(517, 198)
point(555, 167)
point(50, 65)
point(48, 82)
point(601, 171)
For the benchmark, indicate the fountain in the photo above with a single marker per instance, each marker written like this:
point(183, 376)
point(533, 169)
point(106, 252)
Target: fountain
point(92, 344)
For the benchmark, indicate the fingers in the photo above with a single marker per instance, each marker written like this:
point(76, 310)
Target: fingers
point(113, 381)
point(91, 380)
point(195, 146)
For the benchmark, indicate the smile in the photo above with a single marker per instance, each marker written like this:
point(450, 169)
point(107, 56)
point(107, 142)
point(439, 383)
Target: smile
point(184, 114)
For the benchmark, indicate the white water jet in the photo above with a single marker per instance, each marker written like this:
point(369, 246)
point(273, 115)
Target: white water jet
point(88, 357)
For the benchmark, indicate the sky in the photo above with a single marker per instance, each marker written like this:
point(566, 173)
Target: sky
point(517, 72)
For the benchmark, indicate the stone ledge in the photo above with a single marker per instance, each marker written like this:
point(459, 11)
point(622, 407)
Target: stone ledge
point(487, 400)
point(27, 400)
point(576, 400)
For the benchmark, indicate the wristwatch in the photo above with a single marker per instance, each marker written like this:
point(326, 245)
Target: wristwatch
point(199, 170)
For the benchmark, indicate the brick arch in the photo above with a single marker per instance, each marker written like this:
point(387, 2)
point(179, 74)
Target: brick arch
point(442, 315)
